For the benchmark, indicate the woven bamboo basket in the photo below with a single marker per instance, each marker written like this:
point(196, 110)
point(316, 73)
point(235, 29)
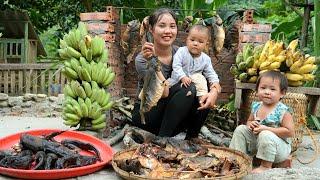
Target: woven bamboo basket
point(244, 161)
point(298, 103)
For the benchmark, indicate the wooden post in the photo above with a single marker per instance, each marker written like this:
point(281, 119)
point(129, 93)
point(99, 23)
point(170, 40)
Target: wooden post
point(26, 44)
point(20, 86)
point(5, 52)
point(6, 81)
point(13, 82)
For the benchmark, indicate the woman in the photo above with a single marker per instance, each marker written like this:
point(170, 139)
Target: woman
point(180, 109)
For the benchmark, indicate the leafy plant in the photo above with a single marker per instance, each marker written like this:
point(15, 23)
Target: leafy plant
point(49, 39)
point(313, 122)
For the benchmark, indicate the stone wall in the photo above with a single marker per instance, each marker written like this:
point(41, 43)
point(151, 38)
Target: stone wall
point(31, 105)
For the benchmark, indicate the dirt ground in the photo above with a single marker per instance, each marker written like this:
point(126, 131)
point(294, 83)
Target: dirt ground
point(306, 152)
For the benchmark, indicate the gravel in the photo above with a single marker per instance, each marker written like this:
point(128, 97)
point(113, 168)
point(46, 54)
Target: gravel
point(305, 173)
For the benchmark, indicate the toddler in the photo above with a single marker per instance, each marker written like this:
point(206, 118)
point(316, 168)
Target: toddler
point(269, 126)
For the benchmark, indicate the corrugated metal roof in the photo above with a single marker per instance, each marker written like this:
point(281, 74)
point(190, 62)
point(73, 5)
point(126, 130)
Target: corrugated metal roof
point(12, 26)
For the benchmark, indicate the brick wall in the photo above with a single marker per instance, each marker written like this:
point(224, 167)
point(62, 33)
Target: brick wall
point(221, 65)
point(107, 25)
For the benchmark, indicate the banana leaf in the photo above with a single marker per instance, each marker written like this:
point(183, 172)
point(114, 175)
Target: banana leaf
point(288, 27)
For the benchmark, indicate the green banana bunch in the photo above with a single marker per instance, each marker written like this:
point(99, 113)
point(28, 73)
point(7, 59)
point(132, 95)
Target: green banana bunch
point(86, 99)
point(87, 88)
point(75, 65)
point(110, 78)
point(69, 73)
point(97, 46)
point(83, 107)
point(83, 29)
point(104, 57)
point(78, 89)
point(71, 112)
point(67, 91)
point(247, 51)
point(63, 54)
point(245, 60)
point(99, 123)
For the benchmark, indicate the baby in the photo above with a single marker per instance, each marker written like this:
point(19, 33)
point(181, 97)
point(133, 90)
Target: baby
point(191, 64)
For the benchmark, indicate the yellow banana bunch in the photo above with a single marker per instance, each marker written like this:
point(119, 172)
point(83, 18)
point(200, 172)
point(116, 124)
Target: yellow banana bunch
point(277, 48)
point(293, 77)
point(252, 79)
point(293, 45)
point(301, 66)
point(265, 52)
point(272, 56)
point(295, 83)
point(292, 55)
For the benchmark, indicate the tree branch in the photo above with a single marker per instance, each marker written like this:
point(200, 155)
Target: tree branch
point(292, 7)
point(305, 24)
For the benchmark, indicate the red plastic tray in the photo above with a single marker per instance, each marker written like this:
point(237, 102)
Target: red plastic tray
point(106, 154)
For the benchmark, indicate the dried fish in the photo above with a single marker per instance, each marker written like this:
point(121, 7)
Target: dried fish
point(149, 159)
point(144, 28)
point(218, 34)
point(187, 23)
point(129, 41)
point(130, 165)
point(200, 162)
point(152, 86)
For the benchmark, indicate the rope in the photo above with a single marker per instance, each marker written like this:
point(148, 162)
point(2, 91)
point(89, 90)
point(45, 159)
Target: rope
point(195, 10)
point(304, 122)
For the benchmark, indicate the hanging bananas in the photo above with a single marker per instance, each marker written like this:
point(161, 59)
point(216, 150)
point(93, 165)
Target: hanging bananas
point(85, 66)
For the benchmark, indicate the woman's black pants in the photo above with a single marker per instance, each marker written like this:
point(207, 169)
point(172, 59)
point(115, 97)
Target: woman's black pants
point(173, 114)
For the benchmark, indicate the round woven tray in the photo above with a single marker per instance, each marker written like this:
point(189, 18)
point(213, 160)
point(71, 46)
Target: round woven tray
point(244, 161)
point(298, 103)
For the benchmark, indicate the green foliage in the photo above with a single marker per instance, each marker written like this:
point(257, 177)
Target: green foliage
point(290, 27)
point(316, 26)
point(202, 8)
point(183, 8)
point(128, 13)
point(236, 5)
point(49, 39)
point(47, 13)
point(230, 104)
point(313, 122)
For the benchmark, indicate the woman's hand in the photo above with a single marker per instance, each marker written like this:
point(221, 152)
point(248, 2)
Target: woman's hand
point(147, 50)
point(208, 100)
